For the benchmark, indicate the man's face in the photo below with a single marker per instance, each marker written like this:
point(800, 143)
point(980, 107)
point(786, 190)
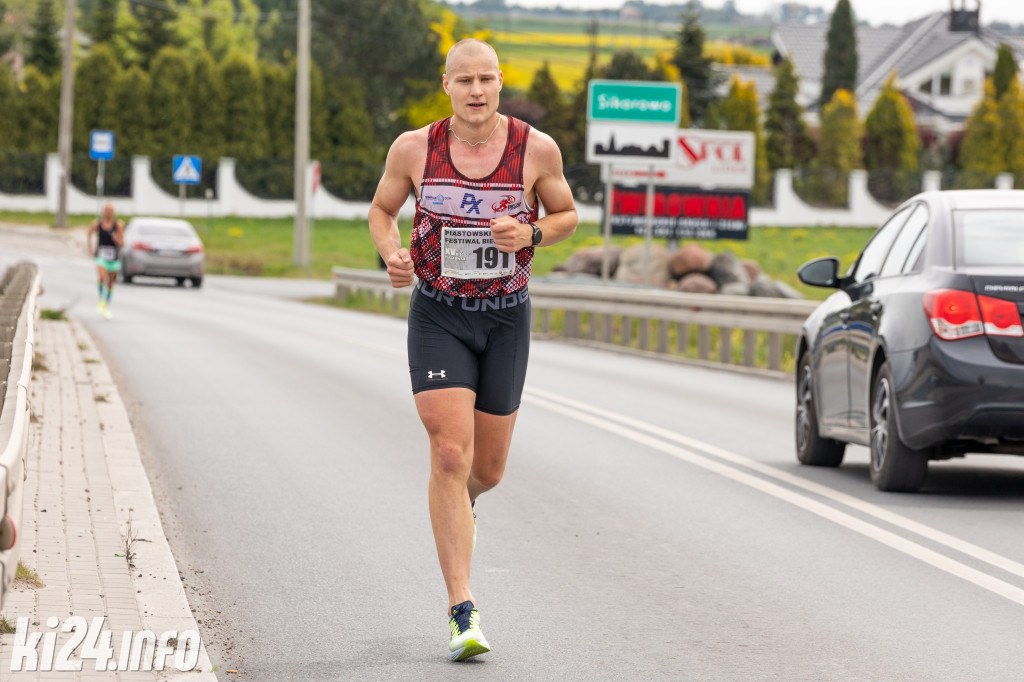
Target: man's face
point(108, 212)
point(473, 83)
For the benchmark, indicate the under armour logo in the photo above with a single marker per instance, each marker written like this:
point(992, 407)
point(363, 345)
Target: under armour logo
point(432, 374)
point(473, 203)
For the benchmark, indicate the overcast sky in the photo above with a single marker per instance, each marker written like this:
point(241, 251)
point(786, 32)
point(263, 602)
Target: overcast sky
point(872, 11)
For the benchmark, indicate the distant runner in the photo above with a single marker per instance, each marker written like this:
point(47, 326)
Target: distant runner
point(107, 254)
point(479, 177)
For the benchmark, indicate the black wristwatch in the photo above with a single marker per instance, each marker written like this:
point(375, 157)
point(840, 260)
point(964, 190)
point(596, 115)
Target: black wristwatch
point(537, 235)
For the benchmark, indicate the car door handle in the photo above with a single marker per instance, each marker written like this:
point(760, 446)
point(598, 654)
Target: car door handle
point(844, 317)
point(876, 308)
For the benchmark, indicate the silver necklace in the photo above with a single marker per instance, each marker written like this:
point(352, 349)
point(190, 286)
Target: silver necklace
point(473, 144)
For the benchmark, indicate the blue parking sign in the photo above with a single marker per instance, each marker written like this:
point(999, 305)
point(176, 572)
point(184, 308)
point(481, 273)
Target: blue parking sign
point(101, 145)
point(188, 170)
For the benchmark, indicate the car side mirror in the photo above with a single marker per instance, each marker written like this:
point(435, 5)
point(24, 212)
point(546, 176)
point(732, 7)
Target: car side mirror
point(821, 272)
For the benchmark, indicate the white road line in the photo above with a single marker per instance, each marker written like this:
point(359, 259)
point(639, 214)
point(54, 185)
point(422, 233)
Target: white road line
point(605, 420)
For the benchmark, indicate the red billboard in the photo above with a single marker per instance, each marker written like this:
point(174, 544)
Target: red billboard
point(681, 213)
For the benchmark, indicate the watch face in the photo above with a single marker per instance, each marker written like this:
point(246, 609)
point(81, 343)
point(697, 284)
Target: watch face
point(537, 235)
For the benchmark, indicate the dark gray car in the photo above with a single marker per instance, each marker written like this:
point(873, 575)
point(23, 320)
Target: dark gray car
point(919, 354)
point(162, 247)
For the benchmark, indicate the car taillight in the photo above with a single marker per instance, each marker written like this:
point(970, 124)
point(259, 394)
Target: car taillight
point(194, 249)
point(1001, 317)
point(142, 246)
point(953, 314)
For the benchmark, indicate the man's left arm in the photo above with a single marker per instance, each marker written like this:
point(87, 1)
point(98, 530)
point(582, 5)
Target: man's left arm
point(544, 162)
point(559, 221)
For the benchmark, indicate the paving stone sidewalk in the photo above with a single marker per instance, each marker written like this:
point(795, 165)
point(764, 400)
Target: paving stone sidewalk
point(86, 489)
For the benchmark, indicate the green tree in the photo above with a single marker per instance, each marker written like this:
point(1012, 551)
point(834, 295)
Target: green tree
point(37, 107)
point(740, 111)
point(219, 26)
point(557, 121)
point(7, 108)
point(891, 140)
point(104, 21)
point(95, 108)
point(694, 68)
point(840, 149)
point(7, 33)
point(788, 144)
point(208, 120)
point(279, 108)
point(155, 20)
point(1011, 129)
point(245, 132)
point(131, 99)
point(981, 152)
point(1005, 70)
point(388, 45)
point(43, 49)
point(841, 53)
point(170, 111)
point(627, 65)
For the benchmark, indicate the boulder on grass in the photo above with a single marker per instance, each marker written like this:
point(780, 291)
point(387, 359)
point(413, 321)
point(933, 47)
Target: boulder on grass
point(734, 289)
point(690, 258)
point(763, 286)
point(696, 283)
point(753, 269)
point(726, 268)
point(588, 261)
point(632, 261)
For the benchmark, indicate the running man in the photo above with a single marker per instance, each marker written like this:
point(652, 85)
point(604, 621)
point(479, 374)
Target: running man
point(107, 256)
point(478, 177)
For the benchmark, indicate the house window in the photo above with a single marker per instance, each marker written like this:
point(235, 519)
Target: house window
point(926, 87)
point(946, 83)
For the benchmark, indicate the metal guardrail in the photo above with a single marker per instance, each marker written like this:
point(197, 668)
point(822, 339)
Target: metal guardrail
point(18, 315)
point(745, 333)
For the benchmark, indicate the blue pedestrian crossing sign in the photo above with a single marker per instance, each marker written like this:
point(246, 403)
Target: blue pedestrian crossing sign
point(188, 170)
point(101, 145)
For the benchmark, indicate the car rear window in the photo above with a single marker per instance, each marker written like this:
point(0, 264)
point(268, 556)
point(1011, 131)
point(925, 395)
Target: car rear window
point(993, 237)
point(164, 231)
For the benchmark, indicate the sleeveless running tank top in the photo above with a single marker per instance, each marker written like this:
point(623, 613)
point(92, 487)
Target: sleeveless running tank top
point(106, 238)
point(450, 199)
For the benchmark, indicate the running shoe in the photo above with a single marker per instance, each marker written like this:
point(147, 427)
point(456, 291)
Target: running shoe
point(100, 307)
point(467, 639)
point(106, 311)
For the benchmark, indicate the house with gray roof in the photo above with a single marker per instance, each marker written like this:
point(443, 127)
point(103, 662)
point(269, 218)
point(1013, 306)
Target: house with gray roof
point(940, 61)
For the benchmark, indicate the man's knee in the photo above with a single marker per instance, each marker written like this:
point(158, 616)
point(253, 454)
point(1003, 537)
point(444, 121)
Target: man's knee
point(451, 459)
point(488, 479)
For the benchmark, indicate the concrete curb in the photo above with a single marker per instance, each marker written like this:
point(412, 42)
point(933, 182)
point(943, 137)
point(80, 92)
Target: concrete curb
point(85, 484)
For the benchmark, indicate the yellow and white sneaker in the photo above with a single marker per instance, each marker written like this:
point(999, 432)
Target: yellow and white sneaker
point(106, 310)
point(467, 639)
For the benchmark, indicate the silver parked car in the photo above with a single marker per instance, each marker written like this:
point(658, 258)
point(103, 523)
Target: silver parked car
point(162, 247)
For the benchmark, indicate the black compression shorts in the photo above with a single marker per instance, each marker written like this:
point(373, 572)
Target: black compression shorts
point(482, 344)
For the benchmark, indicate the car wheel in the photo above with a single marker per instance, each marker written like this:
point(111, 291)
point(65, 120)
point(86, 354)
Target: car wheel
point(197, 282)
point(811, 448)
point(126, 278)
point(894, 466)
point(181, 281)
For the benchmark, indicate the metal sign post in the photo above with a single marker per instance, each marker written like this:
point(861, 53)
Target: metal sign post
point(648, 226)
point(101, 149)
point(606, 226)
point(187, 170)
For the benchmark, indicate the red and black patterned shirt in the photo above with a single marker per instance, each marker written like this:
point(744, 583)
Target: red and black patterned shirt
point(450, 199)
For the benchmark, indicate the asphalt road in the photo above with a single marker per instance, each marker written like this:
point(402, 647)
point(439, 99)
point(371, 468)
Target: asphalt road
point(653, 522)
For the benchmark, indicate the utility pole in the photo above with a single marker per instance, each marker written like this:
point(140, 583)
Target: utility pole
point(67, 104)
point(301, 239)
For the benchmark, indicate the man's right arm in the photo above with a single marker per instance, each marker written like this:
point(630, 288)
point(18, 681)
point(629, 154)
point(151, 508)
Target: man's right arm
point(392, 193)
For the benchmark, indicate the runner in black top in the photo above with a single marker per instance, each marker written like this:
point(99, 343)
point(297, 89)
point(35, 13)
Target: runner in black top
point(109, 240)
point(478, 177)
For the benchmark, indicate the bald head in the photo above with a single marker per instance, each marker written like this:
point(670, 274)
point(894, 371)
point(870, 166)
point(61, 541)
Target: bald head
point(108, 211)
point(470, 48)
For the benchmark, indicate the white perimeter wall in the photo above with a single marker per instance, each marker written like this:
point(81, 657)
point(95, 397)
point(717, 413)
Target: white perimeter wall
point(233, 200)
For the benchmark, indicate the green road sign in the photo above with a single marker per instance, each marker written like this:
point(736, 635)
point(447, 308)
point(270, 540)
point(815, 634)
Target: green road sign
point(634, 102)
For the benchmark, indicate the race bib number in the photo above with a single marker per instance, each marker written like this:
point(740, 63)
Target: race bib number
point(108, 253)
point(470, 253)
